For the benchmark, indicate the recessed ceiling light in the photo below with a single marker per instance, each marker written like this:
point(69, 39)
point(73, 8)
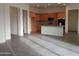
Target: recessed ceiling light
point(61, 3)
point(49, 4)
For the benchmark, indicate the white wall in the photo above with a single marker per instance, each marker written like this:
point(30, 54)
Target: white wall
point(48, 10)
point(7, 22)
point(72, 6)
point(34, 9)
point(19, 5)
point(20, 20)
point(52, 10)
point(5, 32)
point(2, 24)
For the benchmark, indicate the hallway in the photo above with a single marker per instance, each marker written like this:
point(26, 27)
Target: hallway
point(42, 45)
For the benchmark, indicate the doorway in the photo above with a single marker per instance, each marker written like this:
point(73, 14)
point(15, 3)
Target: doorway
point(25, 24)
point(73, 21)
point(14, 20)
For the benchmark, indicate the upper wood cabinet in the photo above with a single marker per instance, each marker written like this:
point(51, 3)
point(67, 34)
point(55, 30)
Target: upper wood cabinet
point(43, 17)
point(37, 17)
point(60, 14)
point(52, 15)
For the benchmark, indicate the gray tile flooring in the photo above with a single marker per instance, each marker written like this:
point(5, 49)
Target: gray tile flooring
point(41, 45)
point(70, 37)
point(20, 47)
point(4, 50)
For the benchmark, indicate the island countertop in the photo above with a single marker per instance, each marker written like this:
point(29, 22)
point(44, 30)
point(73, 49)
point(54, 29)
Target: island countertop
point(52, 25)
point(52, 30)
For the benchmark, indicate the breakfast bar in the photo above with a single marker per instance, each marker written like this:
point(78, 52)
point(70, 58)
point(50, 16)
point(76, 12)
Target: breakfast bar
point(52, 30)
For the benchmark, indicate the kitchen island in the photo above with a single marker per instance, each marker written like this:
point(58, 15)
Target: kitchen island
point(52, 30)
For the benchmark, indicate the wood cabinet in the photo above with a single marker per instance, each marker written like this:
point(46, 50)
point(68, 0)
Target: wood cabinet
point(60, 14)
point(36, 17)
point(52, 15)
point(35, 25)
point(43, 17)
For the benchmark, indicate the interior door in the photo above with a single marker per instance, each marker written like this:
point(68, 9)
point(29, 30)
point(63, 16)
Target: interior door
point(73, 20)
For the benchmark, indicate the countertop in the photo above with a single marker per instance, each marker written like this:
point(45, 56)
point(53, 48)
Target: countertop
point(52, 25)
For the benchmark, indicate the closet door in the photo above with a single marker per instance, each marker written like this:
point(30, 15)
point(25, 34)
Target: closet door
point(73, 20)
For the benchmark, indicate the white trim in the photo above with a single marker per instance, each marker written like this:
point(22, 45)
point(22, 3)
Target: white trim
point(66, 21)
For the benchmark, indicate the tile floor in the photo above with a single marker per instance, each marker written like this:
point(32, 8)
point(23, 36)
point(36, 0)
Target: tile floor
point(41, 45)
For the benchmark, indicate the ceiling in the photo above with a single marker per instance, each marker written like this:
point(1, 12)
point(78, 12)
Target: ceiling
point(47, 5)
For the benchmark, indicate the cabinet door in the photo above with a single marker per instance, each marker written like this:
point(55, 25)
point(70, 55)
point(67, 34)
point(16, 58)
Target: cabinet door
point(52, 15)
point(34, 26)
point(44, 17)
point(61, 14)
